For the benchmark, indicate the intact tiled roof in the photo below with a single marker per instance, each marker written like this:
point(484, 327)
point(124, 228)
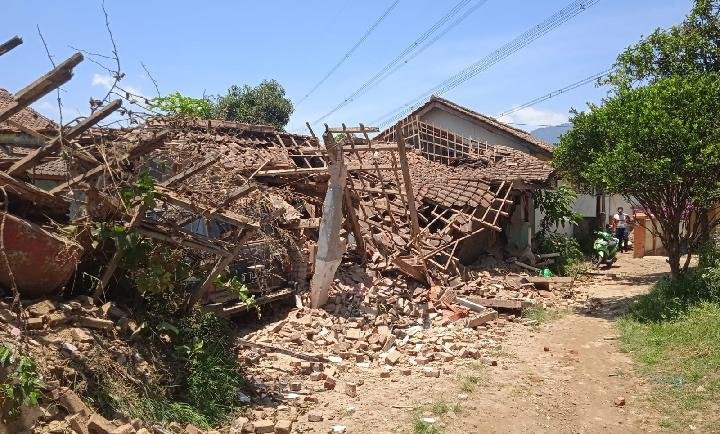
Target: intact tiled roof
point(27, 117)
point(490, 121)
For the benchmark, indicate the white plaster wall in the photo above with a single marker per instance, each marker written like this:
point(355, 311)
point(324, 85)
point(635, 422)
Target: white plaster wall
point(465, 127)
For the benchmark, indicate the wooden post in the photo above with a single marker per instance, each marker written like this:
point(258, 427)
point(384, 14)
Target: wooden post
point(415, 225)
point(354, 224)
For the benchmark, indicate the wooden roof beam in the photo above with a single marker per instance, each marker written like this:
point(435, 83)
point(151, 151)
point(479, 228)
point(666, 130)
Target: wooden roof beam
point(35, 156)
point(10, 44)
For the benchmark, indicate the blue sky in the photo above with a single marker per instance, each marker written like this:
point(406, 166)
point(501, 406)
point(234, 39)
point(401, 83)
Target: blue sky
point(204, 47)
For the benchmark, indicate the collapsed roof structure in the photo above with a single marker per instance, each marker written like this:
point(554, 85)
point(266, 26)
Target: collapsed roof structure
point(275, 209)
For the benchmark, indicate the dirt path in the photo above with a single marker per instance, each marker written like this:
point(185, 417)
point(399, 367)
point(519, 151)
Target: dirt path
point(565, 377)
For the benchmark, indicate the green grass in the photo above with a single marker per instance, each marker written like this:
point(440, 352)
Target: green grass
point(681, 355)
point(437, 408)
point(469, 382)
point(541, 314)
point(421, 427)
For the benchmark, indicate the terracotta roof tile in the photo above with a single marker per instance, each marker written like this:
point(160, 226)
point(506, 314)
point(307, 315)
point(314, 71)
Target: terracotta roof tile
point(26, 117)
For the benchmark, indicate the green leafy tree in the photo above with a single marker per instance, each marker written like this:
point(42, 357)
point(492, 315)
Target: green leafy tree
point(685, 49)
point(263, 104)
point(660, 144)
point(180, 105)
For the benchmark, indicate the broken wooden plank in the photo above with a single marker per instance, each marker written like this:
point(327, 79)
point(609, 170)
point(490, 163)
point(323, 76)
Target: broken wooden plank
point(191, 171)
point(499, 303)
point(404, 165)
point(139, 150)
point(117, 256)
point(10, 44)
point(230, 217)
point(33, 157)
point(42, 86)
point(527, 267)
point(273, 349)
point(33, 194)
point(414, 271)
point(361, 129)
point(352, 218)
point(217, 270)
point(184, 239)
point(242, 307)
point(311, 223)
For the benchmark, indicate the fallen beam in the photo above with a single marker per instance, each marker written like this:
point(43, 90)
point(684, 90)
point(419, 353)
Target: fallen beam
point(273, 349)
point(10, 44)
point(137, 151)
point(33, 157)
point(499, 303)
point(60, 75)
point(29, 192)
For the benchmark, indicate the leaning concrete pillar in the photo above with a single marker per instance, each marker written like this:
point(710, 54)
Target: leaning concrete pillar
point(330, 249)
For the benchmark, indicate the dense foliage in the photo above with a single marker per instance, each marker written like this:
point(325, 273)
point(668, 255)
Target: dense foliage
point(689, 48)
point(265, 103)
point(262, 104)
point(659, 144)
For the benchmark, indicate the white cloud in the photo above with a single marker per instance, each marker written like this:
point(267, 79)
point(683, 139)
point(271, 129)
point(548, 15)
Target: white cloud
point(533, 117)
point(106, 81)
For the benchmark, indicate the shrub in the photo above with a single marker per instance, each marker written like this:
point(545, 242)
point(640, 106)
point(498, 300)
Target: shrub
point(569, 248)
point(670, 298)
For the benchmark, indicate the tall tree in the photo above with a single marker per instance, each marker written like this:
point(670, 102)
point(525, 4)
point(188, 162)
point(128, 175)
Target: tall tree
point(263, 104)
point(688, 48)
point(659, 144)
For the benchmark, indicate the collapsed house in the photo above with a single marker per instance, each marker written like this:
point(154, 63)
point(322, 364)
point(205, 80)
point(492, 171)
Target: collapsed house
point(277, 211)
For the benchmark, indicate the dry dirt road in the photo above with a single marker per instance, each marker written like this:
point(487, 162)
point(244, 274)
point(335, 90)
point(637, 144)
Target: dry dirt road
point(561, 377)
point(565, 376)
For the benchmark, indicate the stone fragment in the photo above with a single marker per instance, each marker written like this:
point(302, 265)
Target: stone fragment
point(129, 429)
point(95, 323)
point(99, 425)
point(6, 315)
point(283, 426)
point(393, 357)
point(41, 308)
point(295, 386)
point(619, 401)
point(431, 372)
point(73, 404)
point(329, 384)
point(481, 318)
point(57, 319)
point(315, 416)
point(78, 424)
point(353, 334)
point(263, 426)
point(351, 389)
point(190, 428)
point(35, 323)
point(339, 429)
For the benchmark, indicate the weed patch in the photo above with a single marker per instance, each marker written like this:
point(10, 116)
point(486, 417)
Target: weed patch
point(542, 315)
point(681, 356)
point(468, 383)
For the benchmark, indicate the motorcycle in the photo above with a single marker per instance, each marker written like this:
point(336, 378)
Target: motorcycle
point(605, 248)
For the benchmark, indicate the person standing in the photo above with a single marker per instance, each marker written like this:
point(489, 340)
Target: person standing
point(620, 226)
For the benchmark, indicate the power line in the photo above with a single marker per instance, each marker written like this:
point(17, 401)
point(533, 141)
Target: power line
point(427, 45)
point(557, 19)
point(350, 51)
point(383, 73)
point(555, 93)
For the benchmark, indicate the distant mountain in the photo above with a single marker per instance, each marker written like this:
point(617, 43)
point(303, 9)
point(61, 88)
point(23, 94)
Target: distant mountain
point(551, 134)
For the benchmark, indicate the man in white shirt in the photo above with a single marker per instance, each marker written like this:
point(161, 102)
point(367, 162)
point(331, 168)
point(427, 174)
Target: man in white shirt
point(620, 225)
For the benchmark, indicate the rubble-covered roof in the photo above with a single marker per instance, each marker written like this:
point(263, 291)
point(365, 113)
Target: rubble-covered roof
point(27, 117)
